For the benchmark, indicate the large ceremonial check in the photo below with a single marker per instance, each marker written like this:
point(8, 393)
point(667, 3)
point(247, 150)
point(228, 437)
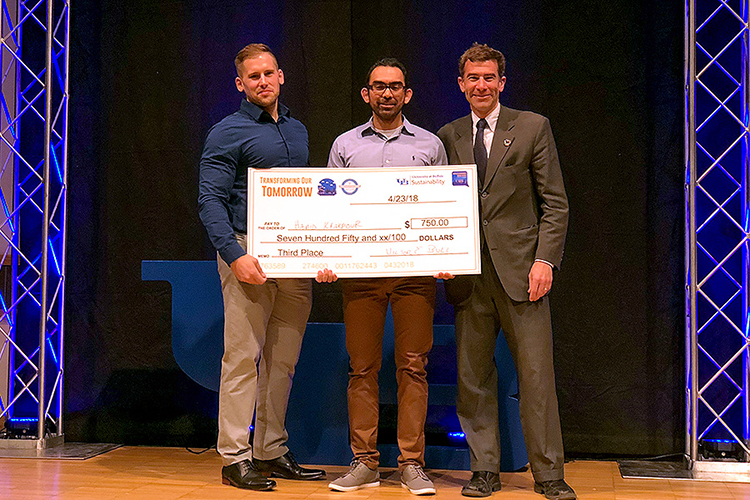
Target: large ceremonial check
point(364, 222)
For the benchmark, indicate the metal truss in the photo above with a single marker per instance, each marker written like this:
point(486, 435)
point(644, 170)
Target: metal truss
point(34, 42)
point(718, 218)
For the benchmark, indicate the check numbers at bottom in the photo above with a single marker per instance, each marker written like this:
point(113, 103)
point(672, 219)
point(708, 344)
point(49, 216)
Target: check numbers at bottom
point(356, 265)
point(273, 265)
point(398, 264)
point(315, 265)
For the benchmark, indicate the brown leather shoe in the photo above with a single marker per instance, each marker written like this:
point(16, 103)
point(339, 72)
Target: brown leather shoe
point(482, 484)
point(243, 474)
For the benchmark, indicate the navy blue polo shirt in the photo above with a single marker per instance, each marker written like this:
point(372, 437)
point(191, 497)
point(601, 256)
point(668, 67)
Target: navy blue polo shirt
point(247, 138)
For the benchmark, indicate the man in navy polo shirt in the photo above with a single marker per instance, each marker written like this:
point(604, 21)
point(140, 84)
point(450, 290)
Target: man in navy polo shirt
point(264, 319)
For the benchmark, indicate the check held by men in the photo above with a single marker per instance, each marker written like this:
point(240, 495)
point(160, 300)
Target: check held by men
point(368, 222)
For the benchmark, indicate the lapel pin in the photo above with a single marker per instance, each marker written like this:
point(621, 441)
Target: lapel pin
point(506, 142)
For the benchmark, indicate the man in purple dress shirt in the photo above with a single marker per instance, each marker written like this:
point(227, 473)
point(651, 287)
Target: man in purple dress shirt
point(387, 140)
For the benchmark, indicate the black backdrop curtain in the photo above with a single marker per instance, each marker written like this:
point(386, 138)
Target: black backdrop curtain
point(148, 78)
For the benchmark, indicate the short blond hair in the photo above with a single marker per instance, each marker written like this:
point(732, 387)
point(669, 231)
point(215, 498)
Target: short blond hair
point(252, 50)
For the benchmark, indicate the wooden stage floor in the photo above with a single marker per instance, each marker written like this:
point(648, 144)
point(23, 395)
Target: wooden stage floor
point(140, 473)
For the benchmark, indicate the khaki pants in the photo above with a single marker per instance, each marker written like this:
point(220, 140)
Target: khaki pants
point(263, 330)
point(365, 305)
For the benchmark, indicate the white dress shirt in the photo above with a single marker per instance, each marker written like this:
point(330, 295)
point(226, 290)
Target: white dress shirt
point(489, 130)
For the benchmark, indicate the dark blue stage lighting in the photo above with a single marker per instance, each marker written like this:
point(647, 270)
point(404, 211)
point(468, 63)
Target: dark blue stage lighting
point(457, 436)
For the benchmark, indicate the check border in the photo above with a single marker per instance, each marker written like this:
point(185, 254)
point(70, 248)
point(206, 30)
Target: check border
point(260, 208)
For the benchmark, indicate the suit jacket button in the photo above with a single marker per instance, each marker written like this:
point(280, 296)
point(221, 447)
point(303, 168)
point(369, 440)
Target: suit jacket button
point(485, 194)
point(485, 222)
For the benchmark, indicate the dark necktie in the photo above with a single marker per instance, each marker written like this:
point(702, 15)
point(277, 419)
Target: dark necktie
point(480, 152)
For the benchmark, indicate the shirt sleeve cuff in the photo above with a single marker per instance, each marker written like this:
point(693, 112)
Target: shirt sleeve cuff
point(550, 264)
point(232, 253)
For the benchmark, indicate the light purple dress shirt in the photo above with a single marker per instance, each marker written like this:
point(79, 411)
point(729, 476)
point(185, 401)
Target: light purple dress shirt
point(363, 147)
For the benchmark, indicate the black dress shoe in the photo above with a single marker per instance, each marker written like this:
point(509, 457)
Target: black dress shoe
point(287, 467)
point(481, 484)
point(244, 475)
point(555, 490)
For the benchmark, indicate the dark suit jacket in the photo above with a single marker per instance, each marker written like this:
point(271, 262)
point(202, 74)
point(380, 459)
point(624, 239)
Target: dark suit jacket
point(522, 201)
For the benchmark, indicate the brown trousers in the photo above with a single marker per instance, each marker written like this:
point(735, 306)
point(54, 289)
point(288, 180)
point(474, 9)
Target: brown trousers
point(365, 305)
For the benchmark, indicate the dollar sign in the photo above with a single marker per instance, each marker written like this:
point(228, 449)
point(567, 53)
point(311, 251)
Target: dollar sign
point(406, 224)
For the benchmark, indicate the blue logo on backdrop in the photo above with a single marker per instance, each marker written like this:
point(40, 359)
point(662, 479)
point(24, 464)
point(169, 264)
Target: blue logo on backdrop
point(319, 423)
point(403, 182)
point(326, 187)
point(349, 186)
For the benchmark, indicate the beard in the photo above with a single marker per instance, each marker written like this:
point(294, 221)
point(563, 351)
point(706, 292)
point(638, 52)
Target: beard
point(387, 109)
point(264, 100)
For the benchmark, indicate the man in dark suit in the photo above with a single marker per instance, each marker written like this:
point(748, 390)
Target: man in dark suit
point(524, 213)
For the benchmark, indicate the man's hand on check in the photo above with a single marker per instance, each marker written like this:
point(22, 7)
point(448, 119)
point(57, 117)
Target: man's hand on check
point(540, 280)
point(326, 276)
point(444, 276)
point(247, 269)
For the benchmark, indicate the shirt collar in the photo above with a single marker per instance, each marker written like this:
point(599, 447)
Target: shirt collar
point(369, 128)
point(257, 112)
point(491, 119)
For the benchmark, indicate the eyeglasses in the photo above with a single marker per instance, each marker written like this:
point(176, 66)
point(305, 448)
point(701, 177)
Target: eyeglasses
point(381, 87)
